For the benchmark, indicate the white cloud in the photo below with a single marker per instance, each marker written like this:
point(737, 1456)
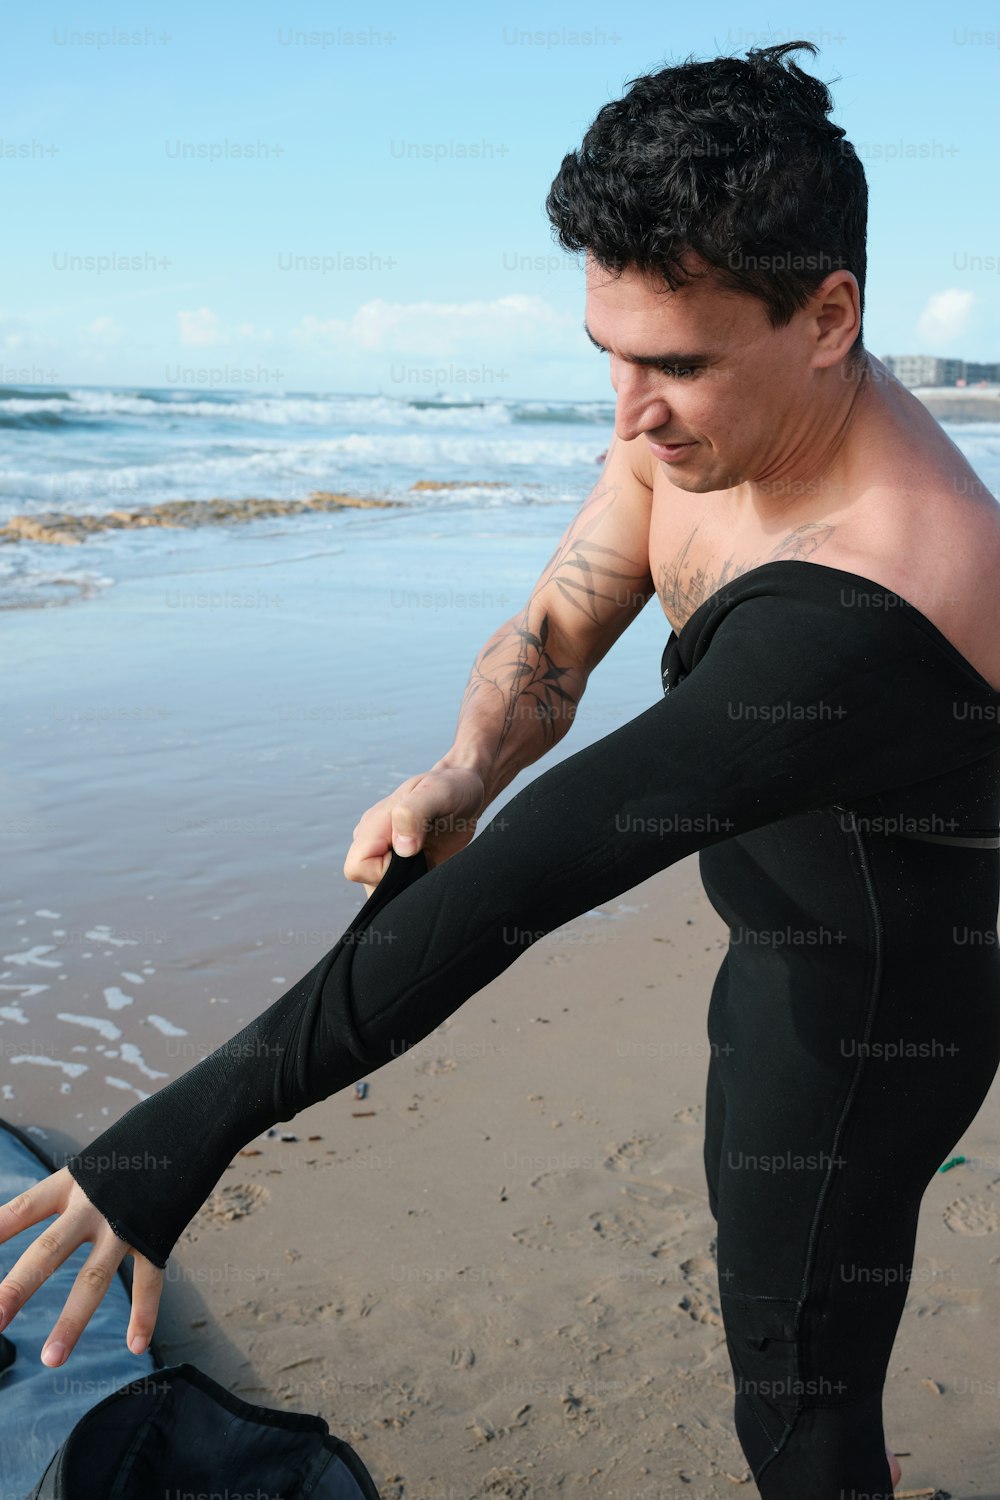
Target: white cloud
point(23, 339)
point(513, 324)
point(199, 329)
point(204, 329)
point(946, 314)
point(104, 330)
point(12, 333)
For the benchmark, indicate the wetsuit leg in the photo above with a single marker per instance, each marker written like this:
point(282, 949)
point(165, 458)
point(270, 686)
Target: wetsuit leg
point(837, 1110)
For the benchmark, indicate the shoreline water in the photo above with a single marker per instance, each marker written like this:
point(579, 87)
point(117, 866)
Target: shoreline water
point(182, 773)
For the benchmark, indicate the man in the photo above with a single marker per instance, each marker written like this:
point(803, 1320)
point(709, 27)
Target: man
point(802, 441)
point(752, 362)
point(827, 561)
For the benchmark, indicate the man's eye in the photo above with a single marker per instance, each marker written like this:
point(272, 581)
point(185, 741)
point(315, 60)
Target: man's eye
point(682, 372)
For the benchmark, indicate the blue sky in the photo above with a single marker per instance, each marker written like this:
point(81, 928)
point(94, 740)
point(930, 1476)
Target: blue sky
point(387, 224)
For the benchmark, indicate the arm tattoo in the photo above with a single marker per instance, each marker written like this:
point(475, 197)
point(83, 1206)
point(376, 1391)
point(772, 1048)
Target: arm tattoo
point(596, 580)
point(530, 673)
point(680, 596)
point(585, 572)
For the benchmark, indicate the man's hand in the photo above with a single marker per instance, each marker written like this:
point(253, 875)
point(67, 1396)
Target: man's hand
point(78, 1222)
point(436, 811)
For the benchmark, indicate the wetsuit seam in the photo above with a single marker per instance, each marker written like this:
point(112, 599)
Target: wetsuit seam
point(875, 990)
point(370, 1052)
point(875, 993)
point(774, 1450)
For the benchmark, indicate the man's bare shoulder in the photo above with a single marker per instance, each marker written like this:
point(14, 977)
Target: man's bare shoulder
point(926, 523)
point(925, 527)
point(940, 550)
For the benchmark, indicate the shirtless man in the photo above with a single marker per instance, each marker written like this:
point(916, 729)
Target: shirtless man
point(785, 459)
point(736, 443)
point(789, 453)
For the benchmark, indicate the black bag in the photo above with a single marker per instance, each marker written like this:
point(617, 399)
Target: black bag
point(179, 1430)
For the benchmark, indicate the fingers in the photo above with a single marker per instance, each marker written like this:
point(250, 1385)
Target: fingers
point(409, 825)
point(147, 1286)
point(429, 807)
point(39, 1202)
point(436, 807)
point(442, 804)
point(368, 856)
point(92, 1282)
point(79, 1222)
point(367, 868)
point(46, 1197)
point(46, 1254)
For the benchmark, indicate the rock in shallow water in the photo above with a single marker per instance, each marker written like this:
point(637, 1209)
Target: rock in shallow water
point(69, 530)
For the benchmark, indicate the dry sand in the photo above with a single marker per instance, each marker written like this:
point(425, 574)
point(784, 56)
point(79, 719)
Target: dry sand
point(502, 1282)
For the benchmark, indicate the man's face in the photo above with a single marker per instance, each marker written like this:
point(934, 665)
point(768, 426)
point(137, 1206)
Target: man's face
point(737, 388)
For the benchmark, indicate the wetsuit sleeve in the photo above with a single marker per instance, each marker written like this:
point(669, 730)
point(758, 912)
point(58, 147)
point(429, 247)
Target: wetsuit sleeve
point(787, 705)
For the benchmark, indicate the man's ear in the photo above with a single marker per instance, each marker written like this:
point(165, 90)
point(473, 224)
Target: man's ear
point(834, 318)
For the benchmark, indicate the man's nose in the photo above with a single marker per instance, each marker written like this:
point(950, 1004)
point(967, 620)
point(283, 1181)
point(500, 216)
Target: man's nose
point(637, 408)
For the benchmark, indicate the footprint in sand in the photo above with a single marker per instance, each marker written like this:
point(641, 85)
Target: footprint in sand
point(537, 1237)
point(692, 1114)
point(622, 1227)
point(234, 1201)
point(299, 1314)
point(931, 1301)
point(560, 1182)
point(700, 1298)
point(620, 1158)
point(972, 1215)
point(506, 1482)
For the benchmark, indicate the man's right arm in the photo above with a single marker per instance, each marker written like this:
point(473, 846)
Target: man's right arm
point(528, 678)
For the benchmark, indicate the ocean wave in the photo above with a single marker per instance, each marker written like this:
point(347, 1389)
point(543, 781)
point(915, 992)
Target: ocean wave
point(24, 586)
point(36, 417)
point(22, 407)
point(590, 413)
point(40, 393)
point(31, 407)
point(361, 463)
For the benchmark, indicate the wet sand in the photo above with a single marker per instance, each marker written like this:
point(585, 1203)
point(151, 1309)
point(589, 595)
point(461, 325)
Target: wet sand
point(496, 1274)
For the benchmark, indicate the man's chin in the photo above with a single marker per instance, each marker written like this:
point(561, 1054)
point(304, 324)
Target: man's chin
point(694, 484)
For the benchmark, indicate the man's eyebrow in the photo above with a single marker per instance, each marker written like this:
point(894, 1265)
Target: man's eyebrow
point(672, 357)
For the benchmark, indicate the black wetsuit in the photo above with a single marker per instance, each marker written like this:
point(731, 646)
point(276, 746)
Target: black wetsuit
point(836, 760)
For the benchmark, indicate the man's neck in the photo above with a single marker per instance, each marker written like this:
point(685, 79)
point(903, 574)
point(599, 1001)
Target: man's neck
point(813, 471)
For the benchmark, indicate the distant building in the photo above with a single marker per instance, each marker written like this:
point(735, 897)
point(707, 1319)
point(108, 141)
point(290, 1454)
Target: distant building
point(928, 369)
point(924, 369)
point(974, 373)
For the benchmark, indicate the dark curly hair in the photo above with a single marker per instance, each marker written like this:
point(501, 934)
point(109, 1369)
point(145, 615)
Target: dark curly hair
point(733, 159)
